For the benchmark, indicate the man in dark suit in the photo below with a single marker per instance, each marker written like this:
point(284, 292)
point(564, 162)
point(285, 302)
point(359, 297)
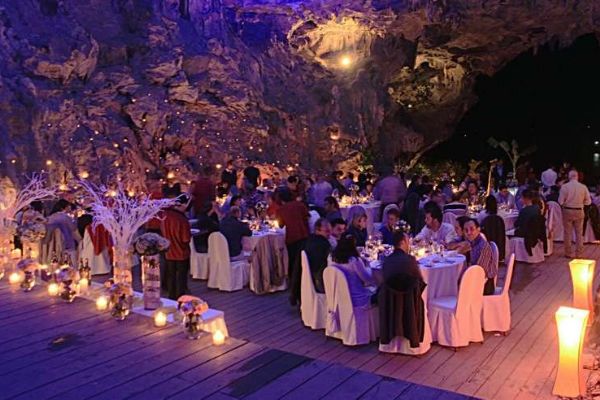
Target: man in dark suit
point(400, 262)
point(234, 230)
point(527, 213)
point(317, 250)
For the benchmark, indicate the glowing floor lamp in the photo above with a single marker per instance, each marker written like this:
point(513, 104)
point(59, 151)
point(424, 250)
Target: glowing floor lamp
point(571, 324)
point(582, 275)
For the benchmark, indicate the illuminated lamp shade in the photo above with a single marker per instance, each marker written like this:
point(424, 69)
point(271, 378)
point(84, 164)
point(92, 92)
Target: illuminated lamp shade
point(345, 61)
point(571, 324)
point(582, 275)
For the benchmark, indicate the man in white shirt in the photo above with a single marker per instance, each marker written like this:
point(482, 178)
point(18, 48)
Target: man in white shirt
point(549, 177)
point(572, 198)
point(435, 230)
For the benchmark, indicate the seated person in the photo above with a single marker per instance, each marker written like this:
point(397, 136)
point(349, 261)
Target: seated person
point(357, 225)
point(207, 224)
point(471, 195)
point(481, 254)
point(332, 208)
point(338, 227)
point(528, 211)
point(345, 257)
point(317, 250)
point(400, 262)
point(435, 230)
point(459, 243)
point(504, 197)
point(491, 208)
point(456, 206)
point(390, 226)
point(234, 230)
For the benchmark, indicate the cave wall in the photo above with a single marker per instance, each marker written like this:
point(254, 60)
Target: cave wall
point(125, 88)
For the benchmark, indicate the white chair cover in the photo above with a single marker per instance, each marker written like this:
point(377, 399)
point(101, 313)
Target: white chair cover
point(401, 344)
point(353, 325)
point(456, 321)
point(313, 217)
point(449, 217)
point(496, 255)
point(517, 247)
point(223, 273)
point(556, 225)
point(496, 308)
point(99, 264)
point(199, 263)
point(314, 305)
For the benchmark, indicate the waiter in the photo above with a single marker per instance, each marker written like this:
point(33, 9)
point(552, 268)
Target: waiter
point(572, 198)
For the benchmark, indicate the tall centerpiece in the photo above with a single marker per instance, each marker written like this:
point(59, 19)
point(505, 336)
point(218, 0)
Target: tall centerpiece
point(149, 246)
point(122, 216)
point(11, 202)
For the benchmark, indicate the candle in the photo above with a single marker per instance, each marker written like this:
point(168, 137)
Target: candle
point(53, 289)
point(84, 284)
point(33, 253)
point(15, 254)
point(218, 338)
point(101, 303)
point(160, 319)
point(14, 278)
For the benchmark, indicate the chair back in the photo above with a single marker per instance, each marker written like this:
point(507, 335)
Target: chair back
point(509, 273)
point(307, 287)
point(496, 258)
point(339, 302)
point(220, 266)
point(554, 222)
point(449, 217)
point(470, 291)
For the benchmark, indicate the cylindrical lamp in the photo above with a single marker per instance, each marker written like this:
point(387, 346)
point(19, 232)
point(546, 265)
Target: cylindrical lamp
point(582, 275)
point(571, 324)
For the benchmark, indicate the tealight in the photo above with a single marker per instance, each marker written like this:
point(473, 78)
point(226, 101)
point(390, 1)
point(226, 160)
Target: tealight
point(102, 303)
point(160, 319)
point(53, 289)
point(14, 278)
point(84, 284)
point(218, 338)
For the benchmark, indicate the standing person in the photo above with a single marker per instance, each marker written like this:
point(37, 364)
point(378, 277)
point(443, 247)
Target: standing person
point(229, 177)
point(320, 191)
point(572, 198)
point(499, 174)
point(549, 178)
point(60, 219)
point(176, 228)
point(293, 215)
point(251, 176)
point(204, 189)
point(389, 190)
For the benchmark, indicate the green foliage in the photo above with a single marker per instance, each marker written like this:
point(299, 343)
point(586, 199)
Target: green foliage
point(437, 169)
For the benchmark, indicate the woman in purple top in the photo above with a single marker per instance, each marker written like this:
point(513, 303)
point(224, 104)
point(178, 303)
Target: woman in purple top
point(359, 277)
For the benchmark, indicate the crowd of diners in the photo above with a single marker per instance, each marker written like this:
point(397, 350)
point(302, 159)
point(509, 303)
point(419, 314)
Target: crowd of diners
point(223, 200)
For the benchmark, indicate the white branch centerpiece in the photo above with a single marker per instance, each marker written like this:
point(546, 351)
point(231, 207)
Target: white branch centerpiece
point(12, 201)
point(122, 216)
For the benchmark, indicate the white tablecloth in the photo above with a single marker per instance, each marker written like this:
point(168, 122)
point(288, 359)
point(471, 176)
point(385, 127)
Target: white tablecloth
point(372, 210)
point(440, 274)
point(250, 242)
point(509, 218)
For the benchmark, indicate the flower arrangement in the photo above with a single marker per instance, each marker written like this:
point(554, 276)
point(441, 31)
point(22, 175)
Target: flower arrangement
point(404, 226)
point(33, 229)
point(120, 298)
point(67, 274)
point(261, 207)
point(192, 308)
point(150, 244)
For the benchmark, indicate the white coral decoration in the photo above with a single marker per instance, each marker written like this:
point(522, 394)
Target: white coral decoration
point(120, 214)
point(11, 200)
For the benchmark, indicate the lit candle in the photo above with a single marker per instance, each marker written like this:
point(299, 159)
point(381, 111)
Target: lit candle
point(84, 284)
point(53, 289)
point(33, 253)
point(101, 303)
point(15, 254)
point(218, 338)
point(14, 278)
point(170, 175)
point(160, 319)
point(84, 175)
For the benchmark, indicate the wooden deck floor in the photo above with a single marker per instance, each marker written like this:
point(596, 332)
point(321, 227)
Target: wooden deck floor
point(51, 349)
point(54, 350)
point(521, 365)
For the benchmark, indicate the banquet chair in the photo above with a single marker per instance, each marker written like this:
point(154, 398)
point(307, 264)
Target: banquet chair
point(224, 274)
point(557, 230)
point(456, 320)
point(199, 263)
point(99, 263)
point(314, 305)
point(353, 325)
point(517, 247)
point(496, 308)
point(496, 257)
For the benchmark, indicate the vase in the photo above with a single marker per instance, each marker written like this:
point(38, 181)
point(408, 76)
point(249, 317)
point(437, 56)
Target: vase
point(28, 281)
point(121, 305)
point(151, 281)
point(5, 249)
point(191, 326)
point(67, 293)
point(122, 265)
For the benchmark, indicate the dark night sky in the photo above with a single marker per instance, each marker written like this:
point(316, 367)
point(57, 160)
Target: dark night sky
point(550, 99)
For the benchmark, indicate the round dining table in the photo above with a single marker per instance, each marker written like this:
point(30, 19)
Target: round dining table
point(250, 242)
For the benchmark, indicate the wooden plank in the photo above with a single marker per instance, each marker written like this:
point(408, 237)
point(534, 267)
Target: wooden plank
point(354, 387)
point(321, 384)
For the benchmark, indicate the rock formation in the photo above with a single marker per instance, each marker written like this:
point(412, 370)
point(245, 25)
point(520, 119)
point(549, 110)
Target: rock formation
point(125, 88)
